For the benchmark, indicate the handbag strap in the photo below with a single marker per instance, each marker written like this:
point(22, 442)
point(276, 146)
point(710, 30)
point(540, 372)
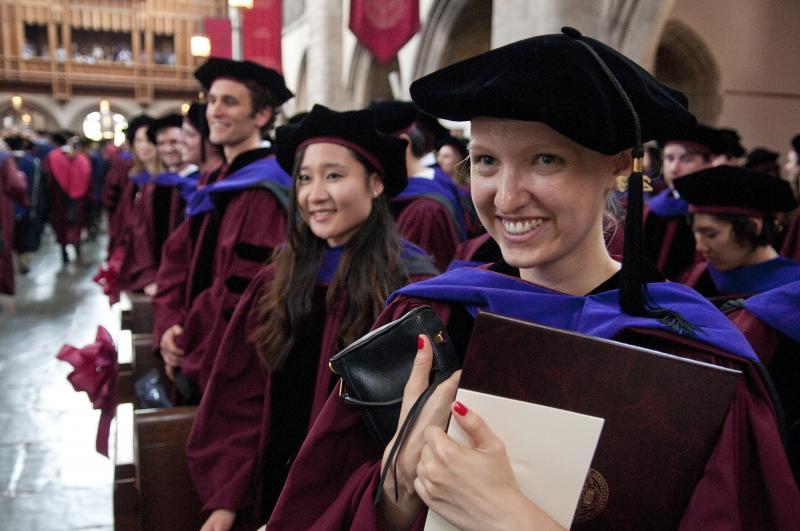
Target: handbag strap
point(362, 403)
point(405, 429)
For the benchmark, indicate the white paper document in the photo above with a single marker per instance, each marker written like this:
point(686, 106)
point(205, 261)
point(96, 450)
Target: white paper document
point(550, 451)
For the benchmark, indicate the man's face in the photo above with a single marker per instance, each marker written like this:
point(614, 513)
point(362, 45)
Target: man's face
point(679, 160)
point(168, 143)
point(231, 119)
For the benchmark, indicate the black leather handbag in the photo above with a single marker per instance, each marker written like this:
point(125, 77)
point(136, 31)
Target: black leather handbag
point(374, 370)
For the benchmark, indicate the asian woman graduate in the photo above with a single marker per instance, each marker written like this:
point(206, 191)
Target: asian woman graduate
point(733, 215)
point(554, 119)
point(322, 290)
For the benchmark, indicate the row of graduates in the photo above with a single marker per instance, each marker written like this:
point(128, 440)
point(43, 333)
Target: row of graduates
point(287, 254)
point(53, 178)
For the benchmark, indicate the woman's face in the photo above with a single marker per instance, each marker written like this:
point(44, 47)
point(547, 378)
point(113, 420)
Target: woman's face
point(142, 148)
point(539, 194)
point(190, 147)
point(334, 192)
point(714, 239)
point(447, 158)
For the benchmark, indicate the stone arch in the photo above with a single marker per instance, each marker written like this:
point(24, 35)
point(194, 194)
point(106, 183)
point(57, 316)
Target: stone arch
point(368, 80)
point(454, 30)
point(75, 123)
point(50, 123)
point(683, 61)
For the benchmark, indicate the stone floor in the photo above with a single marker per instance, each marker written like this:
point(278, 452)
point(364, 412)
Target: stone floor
point(51, 478)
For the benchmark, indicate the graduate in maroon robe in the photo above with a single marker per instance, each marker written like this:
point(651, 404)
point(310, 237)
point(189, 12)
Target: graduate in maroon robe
point(429, 212)
point(322, 290)
point(13, 188)
point(138, 242)
point(668, 241)
point(540, 178)
point(117, 183)
point(68, 175)
point(733, 215)
point(769, 321)
point(178, 179)
point(234, 221)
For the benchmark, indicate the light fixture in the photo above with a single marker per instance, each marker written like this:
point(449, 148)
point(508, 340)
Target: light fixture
point(104, 106)
point(244, 4)
point(16, 102)
point(200, 46)
point(26, 118)
point(184, 108)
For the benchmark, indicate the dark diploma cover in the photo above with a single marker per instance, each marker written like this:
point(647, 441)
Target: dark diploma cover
point(663, 413)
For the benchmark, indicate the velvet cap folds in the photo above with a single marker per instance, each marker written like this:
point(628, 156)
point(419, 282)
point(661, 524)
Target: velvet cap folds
point(267, 78)
point(393, 117)
point(734, 187)
point(731, 143)
point(714, 139)
point(553, 79)
point(761, 157)
point(142, 120)
point(165, 122)
point(353, 129)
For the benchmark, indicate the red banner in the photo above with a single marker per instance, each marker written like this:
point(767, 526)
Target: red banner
point(218, 31)
point(384, 26)
point(261, 33)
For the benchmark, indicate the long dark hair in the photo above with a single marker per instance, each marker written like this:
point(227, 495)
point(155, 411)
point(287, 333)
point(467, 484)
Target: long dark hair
point(368, 272)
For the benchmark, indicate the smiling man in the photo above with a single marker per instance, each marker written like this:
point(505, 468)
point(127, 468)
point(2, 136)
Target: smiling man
point(233, 222)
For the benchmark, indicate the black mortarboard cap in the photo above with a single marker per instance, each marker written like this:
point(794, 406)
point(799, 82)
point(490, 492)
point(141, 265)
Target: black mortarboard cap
point(731, 143)
point(589, 93)
point(196, 116)
point(763, 159)
point(554, 79)
point(165, 122)
point(432, 124)
point(142, 120)
point(267, 78)
point(297, 118)
point(735, 190)
point(59, 139)
point(701, 135)
point(393, 117)
point(353, 129)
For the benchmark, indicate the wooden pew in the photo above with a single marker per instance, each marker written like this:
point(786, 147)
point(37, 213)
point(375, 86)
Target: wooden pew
point(134, 358)
point(167, 496)
point(137, 312)
point(126, 494)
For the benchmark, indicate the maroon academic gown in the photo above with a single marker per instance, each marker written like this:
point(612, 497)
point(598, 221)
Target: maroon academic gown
point(250, 424)
point(746, 484)
point(13, 188)
point(206, 265)
point(429, 224)
point(138, 241)
point(67, 210)
point(115, 187)
point(781, 355)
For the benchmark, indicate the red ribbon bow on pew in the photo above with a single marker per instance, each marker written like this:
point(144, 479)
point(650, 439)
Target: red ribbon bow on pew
point(108, 274)
point(96, 373)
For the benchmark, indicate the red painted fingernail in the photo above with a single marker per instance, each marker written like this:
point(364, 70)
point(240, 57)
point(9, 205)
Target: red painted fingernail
point(420, 343)
point(460, 408)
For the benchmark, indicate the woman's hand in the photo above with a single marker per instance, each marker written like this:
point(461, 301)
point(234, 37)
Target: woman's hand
point(170, 352)
point(435, 412)
point(474, 488)
point(220, 520)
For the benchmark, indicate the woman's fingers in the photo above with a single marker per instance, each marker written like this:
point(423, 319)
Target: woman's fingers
point(420, 375)
point(475, 427)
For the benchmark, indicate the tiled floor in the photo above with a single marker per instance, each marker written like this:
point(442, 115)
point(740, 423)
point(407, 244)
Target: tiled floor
point(51, 478)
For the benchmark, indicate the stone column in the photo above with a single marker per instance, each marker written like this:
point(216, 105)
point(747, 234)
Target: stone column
point(324, 59)
point(631, 26)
